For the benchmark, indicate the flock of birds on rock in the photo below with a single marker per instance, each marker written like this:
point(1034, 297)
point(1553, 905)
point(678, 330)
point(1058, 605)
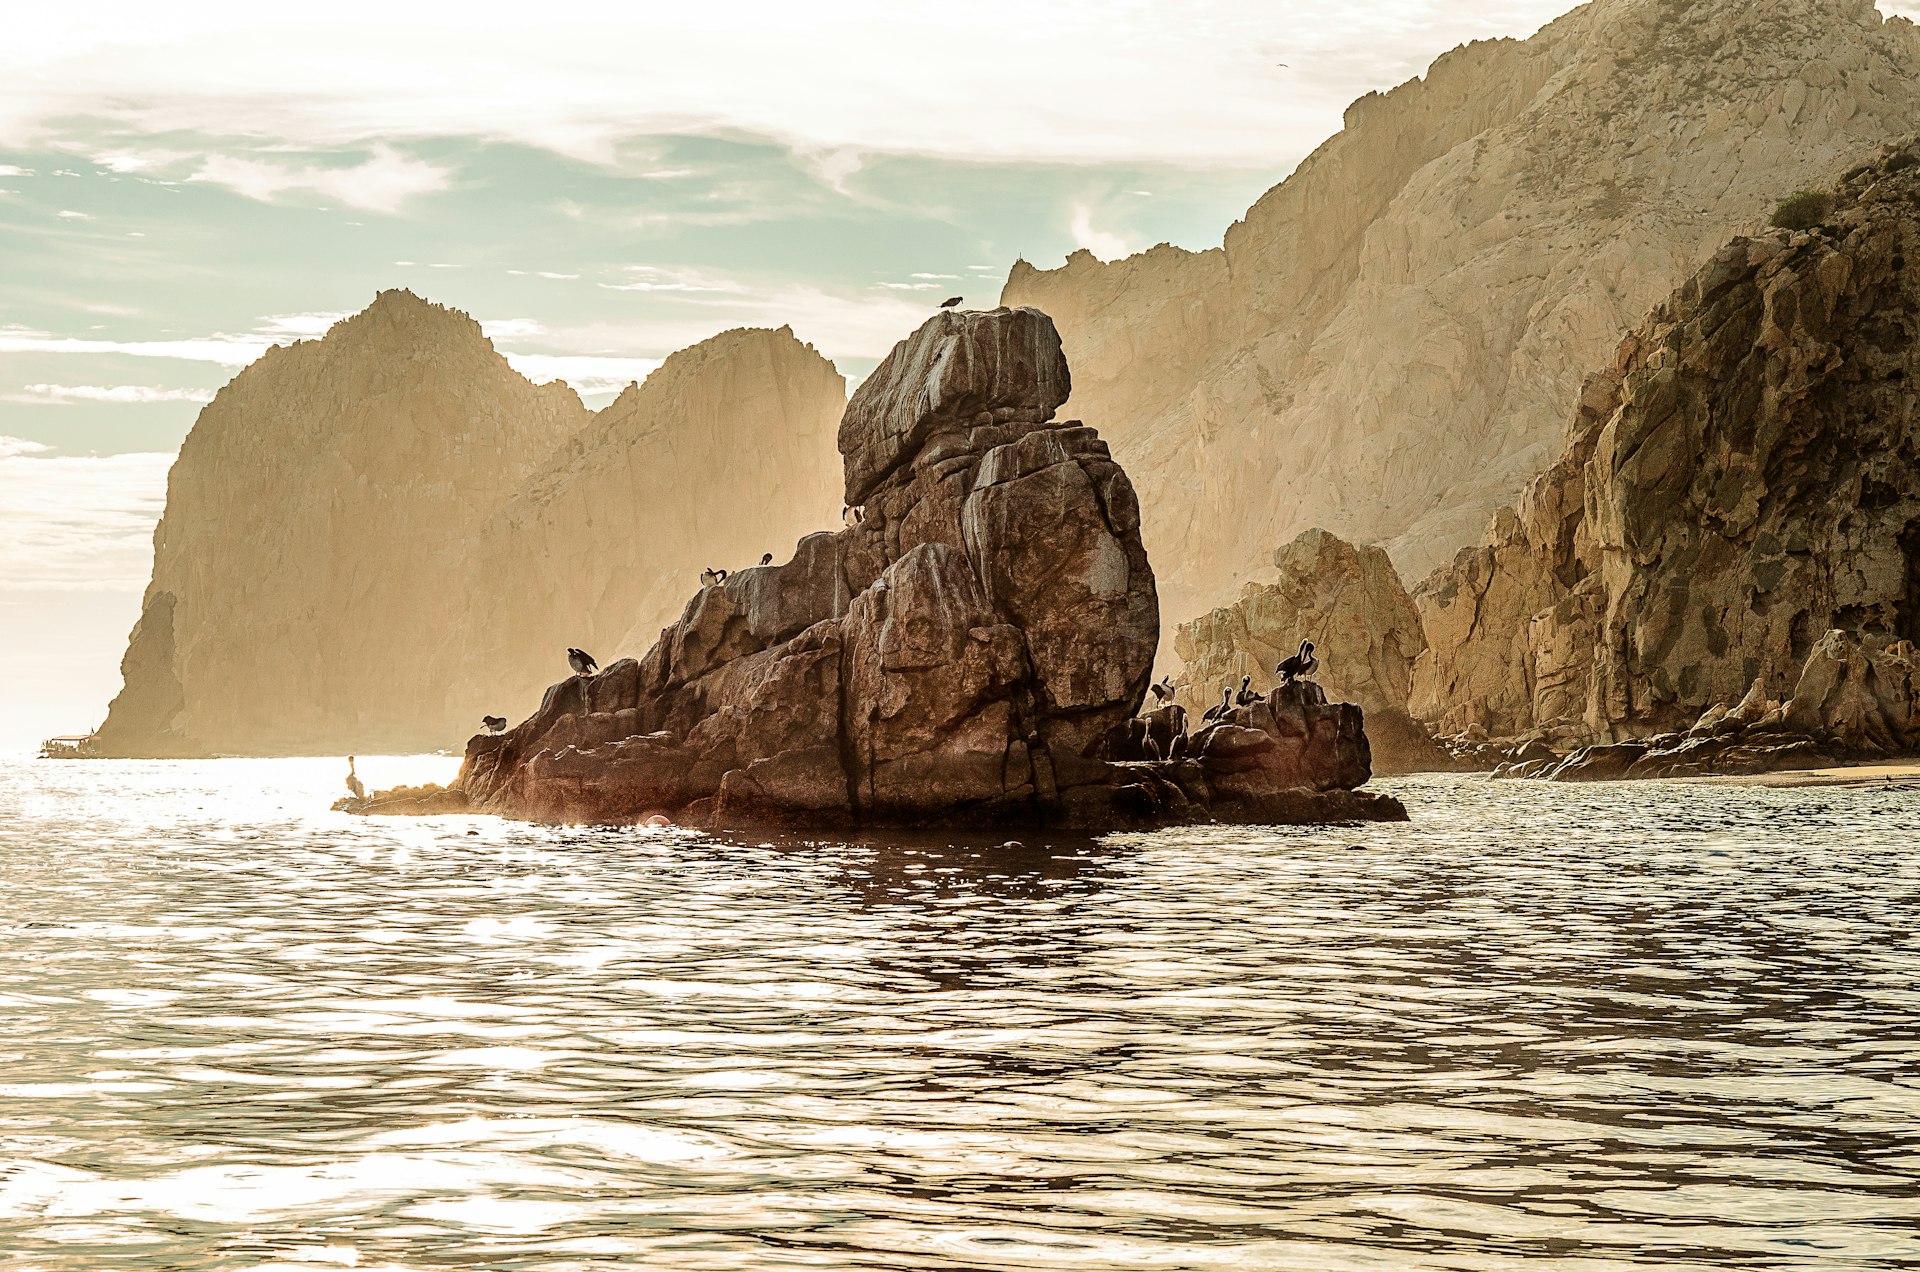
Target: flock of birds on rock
point(1296, 667)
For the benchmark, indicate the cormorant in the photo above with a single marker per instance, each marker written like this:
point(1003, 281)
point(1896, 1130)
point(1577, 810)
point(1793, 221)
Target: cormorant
point(1226, 705)
point(851, 516)
point(766, 558)
point(951, 301)
point(494, 724)
point(712, 578)
point(1300, 665)
point(581, 661)
point(1163, 690)
point(354, 784)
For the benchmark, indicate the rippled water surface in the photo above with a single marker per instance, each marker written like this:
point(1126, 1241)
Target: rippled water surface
point(1584, 1027)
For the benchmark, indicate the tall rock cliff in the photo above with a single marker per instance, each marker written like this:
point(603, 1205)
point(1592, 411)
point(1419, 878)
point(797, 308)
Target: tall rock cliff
point(1735, 521)
point(374, 538)
point(1386, 345)
point(317, 519)
point(724, 453)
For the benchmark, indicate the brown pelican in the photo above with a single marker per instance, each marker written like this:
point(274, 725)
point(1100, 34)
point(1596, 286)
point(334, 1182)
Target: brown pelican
point(951, 301)
point(494, 724)
point(354, 784)
point(1226, 705)
point(1247, 697)
point(581, 661)
point(1301, 665)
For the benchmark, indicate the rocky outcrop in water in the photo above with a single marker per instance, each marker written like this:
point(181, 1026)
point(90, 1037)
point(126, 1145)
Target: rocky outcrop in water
point(1387, 344)
point(1351, 603)
point(972, 651)
point(1725, 556)
point(375, 538)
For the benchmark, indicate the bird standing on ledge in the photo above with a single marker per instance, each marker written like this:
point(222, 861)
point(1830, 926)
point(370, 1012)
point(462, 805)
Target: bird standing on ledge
point(951, 301)
point(494, 724)
point(1299, 666)
point(581, 661)
point(354, 784)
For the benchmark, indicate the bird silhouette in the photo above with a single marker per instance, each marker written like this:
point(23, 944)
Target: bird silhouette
point(581, 661)
point(494, 724)
point(951, 301)
point(354, 784)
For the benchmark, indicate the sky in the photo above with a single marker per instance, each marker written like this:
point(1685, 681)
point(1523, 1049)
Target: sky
point(184, 185)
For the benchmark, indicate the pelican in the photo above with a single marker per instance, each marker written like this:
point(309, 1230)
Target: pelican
point(1226, 705)
point(494, 724)
point(581, 661)
point(1299, 666)
point(951, 301)
point(354, 784)
point(1178, 751)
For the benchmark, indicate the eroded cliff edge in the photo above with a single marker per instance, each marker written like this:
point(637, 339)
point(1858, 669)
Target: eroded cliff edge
point(973, 651)
point(1386, 345)
point(1720, 569)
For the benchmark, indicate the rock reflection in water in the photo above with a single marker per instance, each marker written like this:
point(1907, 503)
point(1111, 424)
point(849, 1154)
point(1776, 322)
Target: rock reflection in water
point(1571, 1027)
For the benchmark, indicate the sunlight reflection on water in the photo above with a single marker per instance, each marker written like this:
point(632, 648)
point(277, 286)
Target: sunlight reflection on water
point(1571, 1027)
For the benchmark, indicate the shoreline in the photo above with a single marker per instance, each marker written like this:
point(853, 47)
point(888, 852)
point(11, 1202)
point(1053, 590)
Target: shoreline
point(1893, 775)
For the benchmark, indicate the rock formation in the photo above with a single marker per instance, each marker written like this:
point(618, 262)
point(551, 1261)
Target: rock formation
point(1728, 545)
point(1351, 603)
point(972, 651)
point(374, 538)
point(1386, 345)
point(315, 535)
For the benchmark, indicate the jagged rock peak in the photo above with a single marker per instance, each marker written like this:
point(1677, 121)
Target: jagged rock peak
point(961, 368)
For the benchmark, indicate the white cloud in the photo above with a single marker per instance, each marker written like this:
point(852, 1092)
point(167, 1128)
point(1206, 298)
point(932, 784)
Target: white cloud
point(222, 350)
point(512, 328)
point(1085, 80)
point(384, 183)
point(652, 278)
point(77, 522)
point(114, 393)
point(589, 375)
point(302, 326)
point(70, 215)
point(12, 170)
point(906, 286)
point(933, 276)
point(1107, 247)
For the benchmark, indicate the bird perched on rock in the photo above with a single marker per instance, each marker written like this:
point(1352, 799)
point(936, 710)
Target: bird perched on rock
point(951, 301)
point(1178, 751)
point(1247, 697)
point(1226, 705)
point(581, 661)
point(354, 784)
point(712, 577)
point(766, 558)
point(494, 724)
point(1300, 666)
point(851, 516)
point(1163, 689)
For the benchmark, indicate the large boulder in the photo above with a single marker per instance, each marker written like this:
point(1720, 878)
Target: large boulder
point(971, 650)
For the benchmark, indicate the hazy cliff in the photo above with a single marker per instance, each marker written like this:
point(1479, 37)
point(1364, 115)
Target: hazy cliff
point(1742, 480)
point(1386, 345)
point(725, 453)
point(316, 515)
point(372, 538)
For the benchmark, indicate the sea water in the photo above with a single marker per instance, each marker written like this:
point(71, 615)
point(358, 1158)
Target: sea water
point(1558, 1027)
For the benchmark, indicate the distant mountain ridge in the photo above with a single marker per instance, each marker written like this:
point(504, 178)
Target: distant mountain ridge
point(336, 568)
point(1388, 344)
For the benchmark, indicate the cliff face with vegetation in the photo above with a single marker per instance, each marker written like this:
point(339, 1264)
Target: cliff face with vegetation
point(374, 538)
point(1387, 344)
point(1733, 528)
